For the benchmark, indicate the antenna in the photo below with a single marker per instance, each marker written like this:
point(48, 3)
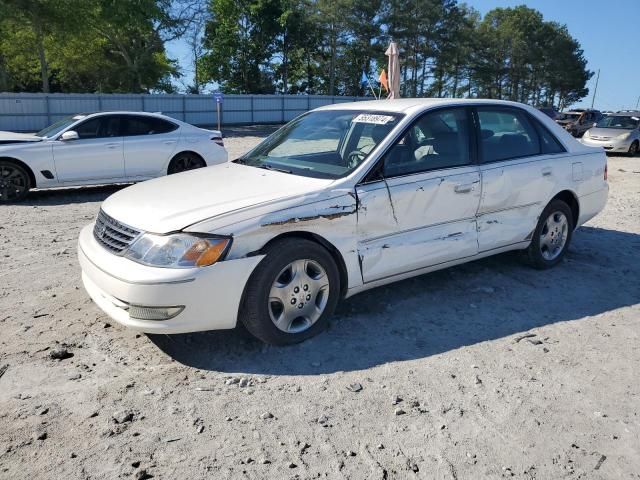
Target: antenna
point(595, 90)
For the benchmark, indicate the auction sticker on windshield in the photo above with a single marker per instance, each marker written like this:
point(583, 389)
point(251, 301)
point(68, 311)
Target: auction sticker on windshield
point(371, 118)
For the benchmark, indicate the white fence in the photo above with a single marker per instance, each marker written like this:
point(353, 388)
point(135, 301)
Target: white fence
point(29, 112)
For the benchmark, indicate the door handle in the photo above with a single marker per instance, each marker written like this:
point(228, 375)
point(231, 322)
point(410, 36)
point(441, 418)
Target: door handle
point(547, 171)
point(112, 145)
point(463, 188)
point(169, 142)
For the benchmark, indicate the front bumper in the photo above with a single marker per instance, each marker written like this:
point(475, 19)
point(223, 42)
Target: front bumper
point(210, 295)
point(611, 145)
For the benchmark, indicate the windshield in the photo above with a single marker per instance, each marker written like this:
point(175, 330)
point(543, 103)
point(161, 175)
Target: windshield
point(567, 116)
point(323, 144)
point(56, 128)
point(619, 121)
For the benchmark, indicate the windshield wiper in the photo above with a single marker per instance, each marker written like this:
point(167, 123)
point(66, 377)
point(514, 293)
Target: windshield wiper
point(266, 166)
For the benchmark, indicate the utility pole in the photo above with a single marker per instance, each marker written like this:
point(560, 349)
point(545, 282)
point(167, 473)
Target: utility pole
point(595, 89)
point(637, 103)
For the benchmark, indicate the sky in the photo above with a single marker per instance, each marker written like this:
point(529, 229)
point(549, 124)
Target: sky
point(608, 31)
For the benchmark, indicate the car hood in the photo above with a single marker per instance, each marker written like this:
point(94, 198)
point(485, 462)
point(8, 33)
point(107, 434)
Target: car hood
point(7, 138)
point(174, 202)
point(608, 132)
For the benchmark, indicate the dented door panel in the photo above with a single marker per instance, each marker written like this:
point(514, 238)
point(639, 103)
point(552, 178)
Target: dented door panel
point(513, 195)
point(411, 222)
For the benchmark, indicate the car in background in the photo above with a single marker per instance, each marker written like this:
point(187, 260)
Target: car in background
point(340, 200)
point(578, 121)
point(102, 148)
point(550, 112)
point(619, 132)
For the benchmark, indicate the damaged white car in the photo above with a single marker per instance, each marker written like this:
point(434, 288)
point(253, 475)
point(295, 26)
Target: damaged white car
point(340, 200)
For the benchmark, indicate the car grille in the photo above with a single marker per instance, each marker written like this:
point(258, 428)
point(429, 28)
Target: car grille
point(113, 235)
point(597, 137)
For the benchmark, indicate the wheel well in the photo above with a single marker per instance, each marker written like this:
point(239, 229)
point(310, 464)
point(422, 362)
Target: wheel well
point(570, 199)
point(32, 177)
point(335, 253)
point(187, 151)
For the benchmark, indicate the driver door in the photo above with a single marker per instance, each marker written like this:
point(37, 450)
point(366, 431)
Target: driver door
point(96, 155)
point(418, 207)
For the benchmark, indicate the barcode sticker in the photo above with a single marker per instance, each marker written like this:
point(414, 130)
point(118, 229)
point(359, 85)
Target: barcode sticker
point(371, 118)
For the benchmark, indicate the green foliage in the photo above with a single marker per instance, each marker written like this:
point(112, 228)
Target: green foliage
point(86, 45)
point(289, 46)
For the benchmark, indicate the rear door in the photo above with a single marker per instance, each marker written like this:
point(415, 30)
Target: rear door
point(519, 174)
point(419, 208)
point(149, 143)
point(95, 155)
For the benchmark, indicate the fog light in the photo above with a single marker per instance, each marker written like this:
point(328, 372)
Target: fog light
point(141, 312)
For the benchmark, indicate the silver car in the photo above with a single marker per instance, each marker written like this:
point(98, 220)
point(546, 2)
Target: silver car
point(616, 133)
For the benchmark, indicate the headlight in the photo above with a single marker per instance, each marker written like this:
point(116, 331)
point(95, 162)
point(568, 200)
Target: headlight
point(587, 134)
point(623, 136)
point(178, 250)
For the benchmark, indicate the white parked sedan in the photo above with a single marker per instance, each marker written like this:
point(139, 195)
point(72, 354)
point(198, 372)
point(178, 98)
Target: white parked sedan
point(340, 200)
point(101, 148)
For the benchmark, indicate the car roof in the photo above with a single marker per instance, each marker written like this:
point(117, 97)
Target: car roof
point(406, 105)
point(124, 112)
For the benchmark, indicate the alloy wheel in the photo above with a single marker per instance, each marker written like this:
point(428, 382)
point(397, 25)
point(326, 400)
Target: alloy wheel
point(298, 296)
point(13, 183)
point(553, 236)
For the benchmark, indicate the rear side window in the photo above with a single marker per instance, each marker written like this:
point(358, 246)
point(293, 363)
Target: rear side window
point(506, 134)
point(548, 142)
point(139, 125)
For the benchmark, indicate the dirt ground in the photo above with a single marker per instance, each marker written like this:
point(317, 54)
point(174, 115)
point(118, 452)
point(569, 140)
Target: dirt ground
point(487, 370)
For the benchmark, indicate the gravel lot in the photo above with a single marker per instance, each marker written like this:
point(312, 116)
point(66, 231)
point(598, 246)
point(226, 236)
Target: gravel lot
point(487, 370)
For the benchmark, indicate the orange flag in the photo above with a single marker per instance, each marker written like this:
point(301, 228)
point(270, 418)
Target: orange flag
point(384, 81)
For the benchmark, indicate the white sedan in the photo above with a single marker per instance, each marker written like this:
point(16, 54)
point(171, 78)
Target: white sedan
point(101, 148)
point(340, 200)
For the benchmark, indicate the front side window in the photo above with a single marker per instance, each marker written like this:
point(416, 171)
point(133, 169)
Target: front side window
point(100, 127)
point(506, 134)
point(437, 140)
point(323, 143)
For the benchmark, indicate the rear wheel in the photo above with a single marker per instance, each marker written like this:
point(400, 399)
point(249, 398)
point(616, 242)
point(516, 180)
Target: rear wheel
point(185, 161)
point(292, 293)
point(14, 182)
point(552, 235)
point(633, 149)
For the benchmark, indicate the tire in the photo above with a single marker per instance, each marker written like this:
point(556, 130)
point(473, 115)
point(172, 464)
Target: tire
point(552, 236)
point(274, 294)
point(184, 162)
point(633, 148)
point(14, 182)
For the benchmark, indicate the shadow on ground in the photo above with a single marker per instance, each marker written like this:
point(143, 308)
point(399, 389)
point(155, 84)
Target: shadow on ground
point(438, 312)
point(71, 195)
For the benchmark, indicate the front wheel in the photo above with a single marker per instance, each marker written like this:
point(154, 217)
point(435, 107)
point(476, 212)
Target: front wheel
point(185, 161)
point(292, 292)
point(633, 149)
point(552, 235)
point(14, 182)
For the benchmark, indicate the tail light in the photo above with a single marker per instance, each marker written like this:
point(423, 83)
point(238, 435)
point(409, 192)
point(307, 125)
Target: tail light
point(218, 140)
point(606, 167)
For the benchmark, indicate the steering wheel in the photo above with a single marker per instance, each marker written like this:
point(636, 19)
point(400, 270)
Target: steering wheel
point(354, 158)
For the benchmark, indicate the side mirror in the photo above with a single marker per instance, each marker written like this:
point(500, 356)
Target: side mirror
point(69, 135)
point(595, 123)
